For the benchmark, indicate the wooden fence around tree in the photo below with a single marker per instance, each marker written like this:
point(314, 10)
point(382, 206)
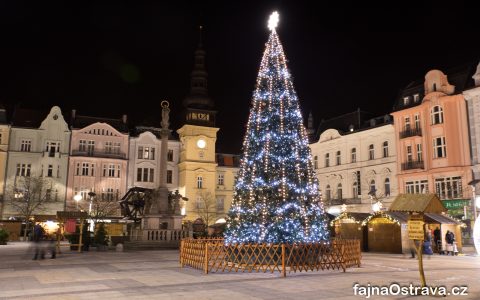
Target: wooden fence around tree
point(212, 255)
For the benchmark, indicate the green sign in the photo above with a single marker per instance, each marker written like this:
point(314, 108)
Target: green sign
point(456, 204)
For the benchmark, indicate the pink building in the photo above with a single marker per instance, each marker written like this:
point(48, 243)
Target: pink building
point(98, 159)
point(431, 126)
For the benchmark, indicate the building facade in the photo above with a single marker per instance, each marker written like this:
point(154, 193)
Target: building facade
point(38, 147)
point(4, 139)
point(356, 164)
point(99, 153)
point(472, 96)
point(431, 128)
point(144, 163)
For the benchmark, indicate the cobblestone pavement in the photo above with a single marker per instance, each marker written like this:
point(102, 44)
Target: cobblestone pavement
point(157, 275)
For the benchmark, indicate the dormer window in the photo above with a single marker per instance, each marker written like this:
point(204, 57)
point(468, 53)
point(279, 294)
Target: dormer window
point(416, 98)
point(406, 101)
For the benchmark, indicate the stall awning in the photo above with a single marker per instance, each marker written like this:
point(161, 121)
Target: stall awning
point(442, 219)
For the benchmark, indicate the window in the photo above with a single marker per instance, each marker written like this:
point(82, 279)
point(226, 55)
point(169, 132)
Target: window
point(48, 194)
point(372, 187)
point(406, 101)
point(118, 171)
point(439, 147)
point(354, 155)
point(0, 138)
point(371, 152)
point(108, 194)
point(220, 179)
point(339, 158)
point(437, 115)
point(449, 187)
point(52, 148)
point(24, 170)
point(199, 203)
point(327, 193)
point(108, 147)
point(58, 171)
point(339, 191)
point(416, 98)
point(327, 160)
point(146, 152)
point(419, 152)
point(90, 147)
point(85, 169)
point(145, 174)
point(385, 149)
point(111, 170)
point(409, 154)
point(387, 187)
point(116, 148)
point(26, 146)
point(355, 190)
point(416, 187)
point(170, 155)
point(220, 204)
point(152, 172)
point(82, 146)
point(407, 123)
point(169, 176)
point(417, 121)
point(315, 162)
point(50, 171)
point(199, 182)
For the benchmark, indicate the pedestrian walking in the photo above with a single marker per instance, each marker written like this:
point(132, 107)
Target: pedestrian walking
point(38, 236)
point(450, 240)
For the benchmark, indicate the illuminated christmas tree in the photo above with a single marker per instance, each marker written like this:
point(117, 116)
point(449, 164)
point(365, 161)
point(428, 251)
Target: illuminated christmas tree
point(276, 196)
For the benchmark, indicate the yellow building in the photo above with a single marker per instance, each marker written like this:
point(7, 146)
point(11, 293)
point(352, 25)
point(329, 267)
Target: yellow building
point(208, 186)
point(4, 138)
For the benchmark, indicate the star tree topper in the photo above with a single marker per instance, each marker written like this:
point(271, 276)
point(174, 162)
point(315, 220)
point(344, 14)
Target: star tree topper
point(273, 21)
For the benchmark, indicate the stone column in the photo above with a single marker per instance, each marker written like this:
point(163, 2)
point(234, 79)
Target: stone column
point(165, 132)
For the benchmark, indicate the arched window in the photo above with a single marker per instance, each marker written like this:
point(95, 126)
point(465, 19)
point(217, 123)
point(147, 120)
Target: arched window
point(354, 155)
point(199, 182)
point(385, 149)
point(339, 191)
point(339, 158)
point(372, 187)
point(371, 152)
point(437, 115)
point(315, 162)
point(327, 160)
point(355, 190)
point(387, 187)
point(327, 193)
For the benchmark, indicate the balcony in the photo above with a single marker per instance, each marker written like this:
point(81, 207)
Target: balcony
point(417, 131)
point(344, 201)
point(118, 155)
point(414, 164)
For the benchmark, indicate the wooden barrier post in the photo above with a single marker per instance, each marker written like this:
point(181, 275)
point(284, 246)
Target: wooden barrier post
point(342, 250)
point(284, 270)
point(205, 268)
point(181, 258)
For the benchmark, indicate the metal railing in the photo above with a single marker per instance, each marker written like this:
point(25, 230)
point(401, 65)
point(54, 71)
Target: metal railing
point(417, 131)
point(104, 154)
point(414, 164)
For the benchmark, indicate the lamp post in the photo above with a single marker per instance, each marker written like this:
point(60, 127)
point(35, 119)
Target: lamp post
point(77, 197)
point(91, 195)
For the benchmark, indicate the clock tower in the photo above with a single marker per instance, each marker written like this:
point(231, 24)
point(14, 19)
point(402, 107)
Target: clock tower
point(198, 135)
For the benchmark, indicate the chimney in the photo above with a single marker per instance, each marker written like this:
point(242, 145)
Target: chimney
point(74, 111)
point(124, 119)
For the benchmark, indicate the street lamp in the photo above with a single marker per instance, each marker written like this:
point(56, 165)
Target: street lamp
point(77, 197)
point(91, 195)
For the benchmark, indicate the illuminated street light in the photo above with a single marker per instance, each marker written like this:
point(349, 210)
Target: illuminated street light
point(77, 197)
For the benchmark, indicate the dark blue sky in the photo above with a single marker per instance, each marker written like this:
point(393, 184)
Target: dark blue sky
point(111, 59)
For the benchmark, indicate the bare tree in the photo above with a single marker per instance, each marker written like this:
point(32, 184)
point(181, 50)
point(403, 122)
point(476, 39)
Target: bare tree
point(29, 196)
point(100, 207)
point(206, 207)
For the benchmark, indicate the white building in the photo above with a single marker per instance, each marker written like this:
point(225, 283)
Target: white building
point(357, 165)
point(144, 164)
point(38, 147)
point(472, 96)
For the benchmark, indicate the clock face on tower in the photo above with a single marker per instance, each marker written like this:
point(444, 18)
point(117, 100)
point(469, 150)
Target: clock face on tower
point(201, 143)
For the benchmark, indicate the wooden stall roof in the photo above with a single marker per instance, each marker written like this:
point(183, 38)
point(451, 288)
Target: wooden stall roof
point(63, 215)
point(420, 203)
point(43, 218)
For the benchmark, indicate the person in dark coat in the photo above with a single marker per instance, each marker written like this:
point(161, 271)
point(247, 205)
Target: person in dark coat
point(450, 239)
point(437, 237)
point(38, 236)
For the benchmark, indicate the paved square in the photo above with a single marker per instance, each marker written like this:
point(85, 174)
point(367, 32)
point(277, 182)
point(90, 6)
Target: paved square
point(157, 275)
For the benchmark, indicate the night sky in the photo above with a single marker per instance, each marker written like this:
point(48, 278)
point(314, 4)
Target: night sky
point(113, 59)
